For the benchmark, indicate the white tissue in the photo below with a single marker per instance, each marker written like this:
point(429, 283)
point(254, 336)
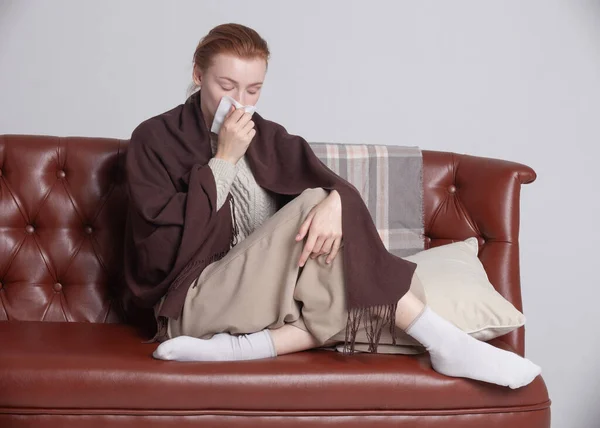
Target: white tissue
point(223, 109)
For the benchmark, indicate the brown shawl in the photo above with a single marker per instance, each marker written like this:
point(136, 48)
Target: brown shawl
point(174, 230)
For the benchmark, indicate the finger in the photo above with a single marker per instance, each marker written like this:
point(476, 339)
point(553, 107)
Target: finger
point(334, 250)
point(244, 118)
point(310, 242)
point(247, 127)
point(327, 245)
point(318, 245)
point(230, 112)
point(238, 114)
point(325, 249)
point(233, 117)
point(304, 227)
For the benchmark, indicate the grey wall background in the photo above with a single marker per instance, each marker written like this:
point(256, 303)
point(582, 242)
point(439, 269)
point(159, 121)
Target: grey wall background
point(517, 80)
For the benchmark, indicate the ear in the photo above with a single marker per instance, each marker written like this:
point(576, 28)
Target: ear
point(197, 75)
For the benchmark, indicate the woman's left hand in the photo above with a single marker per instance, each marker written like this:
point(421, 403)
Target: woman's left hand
point(324, 227)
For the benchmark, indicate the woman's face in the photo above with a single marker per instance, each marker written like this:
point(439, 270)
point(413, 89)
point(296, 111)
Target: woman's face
point(241, 79)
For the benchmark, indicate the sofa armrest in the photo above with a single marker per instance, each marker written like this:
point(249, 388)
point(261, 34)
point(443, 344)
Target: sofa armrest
point(468, 196)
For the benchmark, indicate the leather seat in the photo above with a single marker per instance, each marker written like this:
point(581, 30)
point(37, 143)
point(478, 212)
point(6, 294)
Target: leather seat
point(105, 366)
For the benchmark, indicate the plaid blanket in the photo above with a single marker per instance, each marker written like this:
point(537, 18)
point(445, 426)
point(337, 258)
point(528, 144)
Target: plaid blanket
point(390, 181)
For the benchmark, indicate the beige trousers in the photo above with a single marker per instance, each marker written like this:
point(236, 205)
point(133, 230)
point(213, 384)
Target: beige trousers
point(259, 285)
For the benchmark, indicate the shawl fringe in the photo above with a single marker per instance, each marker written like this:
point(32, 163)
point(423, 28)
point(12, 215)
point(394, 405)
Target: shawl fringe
point(161, 331)
point(234, 227)
point(374, 319)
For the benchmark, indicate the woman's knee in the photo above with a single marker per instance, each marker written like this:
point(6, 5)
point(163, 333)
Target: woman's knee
point(314, 195)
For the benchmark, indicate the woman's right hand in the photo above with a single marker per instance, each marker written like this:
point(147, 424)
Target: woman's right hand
point(235, 135)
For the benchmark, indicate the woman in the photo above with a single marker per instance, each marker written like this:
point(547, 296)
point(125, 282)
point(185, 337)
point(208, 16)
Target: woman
point(250, 302)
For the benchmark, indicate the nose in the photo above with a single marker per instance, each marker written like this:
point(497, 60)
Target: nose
point(240, 98)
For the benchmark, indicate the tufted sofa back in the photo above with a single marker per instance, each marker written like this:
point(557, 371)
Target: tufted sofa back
point(62, 215)
point(62, 212)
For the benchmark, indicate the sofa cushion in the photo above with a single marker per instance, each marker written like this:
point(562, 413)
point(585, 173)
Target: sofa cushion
point(457, 287)
point(46, 365)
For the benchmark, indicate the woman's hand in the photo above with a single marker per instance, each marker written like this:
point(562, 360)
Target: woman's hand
point(235, 135)
point(324, 227)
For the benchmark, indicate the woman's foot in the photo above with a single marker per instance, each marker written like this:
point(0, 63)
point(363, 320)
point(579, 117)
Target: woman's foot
point(454, 353)
point(220, 347)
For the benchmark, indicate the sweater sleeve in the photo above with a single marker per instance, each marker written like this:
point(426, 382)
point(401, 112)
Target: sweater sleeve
point(224, 173)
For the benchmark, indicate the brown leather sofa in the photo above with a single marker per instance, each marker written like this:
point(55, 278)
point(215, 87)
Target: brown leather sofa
point(71, 351)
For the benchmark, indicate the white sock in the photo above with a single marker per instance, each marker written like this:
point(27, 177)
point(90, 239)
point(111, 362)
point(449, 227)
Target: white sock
point(454, 353)
point(220, 347)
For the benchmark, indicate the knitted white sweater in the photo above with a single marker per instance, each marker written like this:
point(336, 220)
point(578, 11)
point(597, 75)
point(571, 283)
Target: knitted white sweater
point(253, 204)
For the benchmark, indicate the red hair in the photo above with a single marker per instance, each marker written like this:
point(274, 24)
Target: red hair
point(235, 39)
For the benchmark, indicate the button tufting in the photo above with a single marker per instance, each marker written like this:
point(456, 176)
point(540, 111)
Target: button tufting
point(61, 174)
point(29, 228)
point(452, 188)
point(88, 230)
point(57, 286)
point(427, 239)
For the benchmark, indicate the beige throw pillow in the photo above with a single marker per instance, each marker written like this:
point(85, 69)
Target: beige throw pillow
point(457, 288)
